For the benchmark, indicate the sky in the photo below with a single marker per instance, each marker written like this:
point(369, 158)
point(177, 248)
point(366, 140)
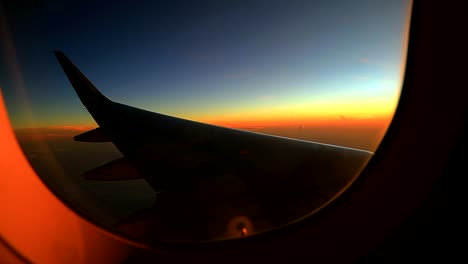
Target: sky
point(326, 71)
point(232, 63)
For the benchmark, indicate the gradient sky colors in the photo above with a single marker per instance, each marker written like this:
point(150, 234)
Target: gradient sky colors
point(233, 63)
point(325, 71)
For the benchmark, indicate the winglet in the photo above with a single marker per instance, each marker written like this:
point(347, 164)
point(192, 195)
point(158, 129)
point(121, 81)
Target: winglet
point(87, 92)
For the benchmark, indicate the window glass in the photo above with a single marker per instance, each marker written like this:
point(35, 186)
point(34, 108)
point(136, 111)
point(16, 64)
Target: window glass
point(306, 89)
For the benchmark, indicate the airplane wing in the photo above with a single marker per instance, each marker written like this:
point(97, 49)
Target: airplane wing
point(180, 156)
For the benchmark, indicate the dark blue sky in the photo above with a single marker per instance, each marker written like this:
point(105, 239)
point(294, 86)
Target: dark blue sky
point(207, 60)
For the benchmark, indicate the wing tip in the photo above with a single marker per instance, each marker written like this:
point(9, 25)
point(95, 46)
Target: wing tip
point(85, 90)
point(58, 53)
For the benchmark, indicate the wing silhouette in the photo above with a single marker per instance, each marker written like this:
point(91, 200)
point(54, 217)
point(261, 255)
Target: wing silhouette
point(193, 161)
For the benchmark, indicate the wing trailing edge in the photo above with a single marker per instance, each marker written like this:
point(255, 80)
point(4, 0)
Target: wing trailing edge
point(116, 170)
point(95, 135)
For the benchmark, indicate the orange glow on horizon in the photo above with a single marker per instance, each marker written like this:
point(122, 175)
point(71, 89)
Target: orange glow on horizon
point(359, 131)
point(241, 122)
point(40, 133)
point(310, 113)
point(364, 120)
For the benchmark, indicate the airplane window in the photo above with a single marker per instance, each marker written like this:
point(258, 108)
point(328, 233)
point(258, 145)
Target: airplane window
point(190, 121)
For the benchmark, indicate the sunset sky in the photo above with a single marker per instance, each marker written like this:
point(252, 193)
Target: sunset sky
point(324, 71)
point(232, 63)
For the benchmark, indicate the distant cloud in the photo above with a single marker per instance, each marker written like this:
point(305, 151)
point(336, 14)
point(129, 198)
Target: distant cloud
point(249, 127)
point(364, 60)
point(266, 98)
point(76, 128)
point(363, 116)
point(356, 117)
